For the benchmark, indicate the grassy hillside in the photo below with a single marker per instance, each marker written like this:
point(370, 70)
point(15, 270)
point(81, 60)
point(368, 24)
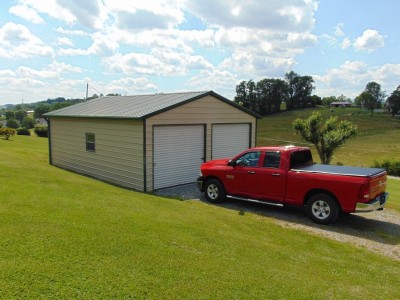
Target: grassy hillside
point(68, 236)
point(378, 136)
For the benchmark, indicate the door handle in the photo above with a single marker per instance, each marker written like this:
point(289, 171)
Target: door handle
point(276, 174)
point(251, 172)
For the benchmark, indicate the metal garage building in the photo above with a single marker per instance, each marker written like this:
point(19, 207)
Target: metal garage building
point(148, 142)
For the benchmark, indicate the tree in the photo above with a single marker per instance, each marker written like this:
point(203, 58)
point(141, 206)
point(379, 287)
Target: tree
point(372, 96)
point(12, 123)
point(7, 132)
point(10, 114)
point(28, 122)
point(299, 90)
point(41, 109)
point(20, 114)
point(393, 102)
point(271, 93)
point(326, 135)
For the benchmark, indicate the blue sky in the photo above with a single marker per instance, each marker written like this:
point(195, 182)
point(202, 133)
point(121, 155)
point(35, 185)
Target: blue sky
point(53, 48)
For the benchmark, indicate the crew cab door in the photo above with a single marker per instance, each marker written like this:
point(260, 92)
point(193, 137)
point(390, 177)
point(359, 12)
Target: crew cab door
point(257, 175)
point(268, 182)
point(238, 181)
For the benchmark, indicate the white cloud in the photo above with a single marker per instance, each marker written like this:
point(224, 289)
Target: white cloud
point(49, 7)
point(26, 13)
point(245, 63)
point(130, 86)
point(220, 81)
point(346, 43)
point(339, 30)
point(64, 41)
point(273, 15)
point(160, 62)
point(71, 32)
point(32, 73)
point(351, 78)
point(146, 14)
point(62, 67)
point(87, 12)
point(370, 41)
point(16, 41)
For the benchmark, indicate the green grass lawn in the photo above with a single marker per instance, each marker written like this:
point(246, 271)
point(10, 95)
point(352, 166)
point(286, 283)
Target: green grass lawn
point(72, 237)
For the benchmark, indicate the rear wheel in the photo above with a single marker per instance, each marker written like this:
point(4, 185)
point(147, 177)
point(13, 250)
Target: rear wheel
point(323, 209)
point(214, 191)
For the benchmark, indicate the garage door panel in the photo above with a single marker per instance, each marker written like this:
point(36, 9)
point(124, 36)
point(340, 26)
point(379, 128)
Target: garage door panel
point(229, 139)
point(178, 153)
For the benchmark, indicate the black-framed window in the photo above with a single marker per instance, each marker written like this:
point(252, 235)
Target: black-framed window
point(90, 142)
point(272, 159)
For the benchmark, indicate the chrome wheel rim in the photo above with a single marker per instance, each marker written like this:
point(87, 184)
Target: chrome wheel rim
point(212, 191)
point(321, 209)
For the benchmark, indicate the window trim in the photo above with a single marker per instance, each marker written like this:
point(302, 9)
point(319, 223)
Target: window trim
point(90, 144)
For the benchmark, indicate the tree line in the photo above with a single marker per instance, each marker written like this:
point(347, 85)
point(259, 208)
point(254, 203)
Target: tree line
point(271, 95)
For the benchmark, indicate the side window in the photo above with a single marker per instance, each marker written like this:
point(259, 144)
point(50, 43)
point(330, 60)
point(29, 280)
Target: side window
point(90, 142)
point(272, 160)
point(250, 159)
point(300, 158)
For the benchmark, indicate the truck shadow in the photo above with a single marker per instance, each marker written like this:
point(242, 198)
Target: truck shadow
point(379, 227)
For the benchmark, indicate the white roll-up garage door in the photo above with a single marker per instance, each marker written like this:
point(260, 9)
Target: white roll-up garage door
point(229, 139)
point(178, 154)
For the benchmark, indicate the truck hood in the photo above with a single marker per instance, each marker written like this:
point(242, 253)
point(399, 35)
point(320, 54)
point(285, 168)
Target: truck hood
point(217, 162)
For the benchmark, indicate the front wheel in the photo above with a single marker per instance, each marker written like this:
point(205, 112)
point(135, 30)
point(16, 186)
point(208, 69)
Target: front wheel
point(214, 191)
point(323, 209)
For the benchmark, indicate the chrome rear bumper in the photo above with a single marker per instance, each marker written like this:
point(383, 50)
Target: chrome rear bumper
point(376, 204)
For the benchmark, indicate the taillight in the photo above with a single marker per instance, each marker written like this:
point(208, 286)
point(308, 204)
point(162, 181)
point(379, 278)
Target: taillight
point(364, 191)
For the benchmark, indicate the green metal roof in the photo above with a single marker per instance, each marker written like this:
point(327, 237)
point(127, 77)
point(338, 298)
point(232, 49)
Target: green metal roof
point(135, 107)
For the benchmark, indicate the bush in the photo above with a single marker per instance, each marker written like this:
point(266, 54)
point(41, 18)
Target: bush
point(23, 131)
point(392, 167)
point(7, 132)
point(41, 131)
point(12, 123)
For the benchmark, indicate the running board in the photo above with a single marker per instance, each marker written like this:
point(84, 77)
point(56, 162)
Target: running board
point(255, 201)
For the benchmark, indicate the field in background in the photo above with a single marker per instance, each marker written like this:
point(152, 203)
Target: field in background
point(378, 136)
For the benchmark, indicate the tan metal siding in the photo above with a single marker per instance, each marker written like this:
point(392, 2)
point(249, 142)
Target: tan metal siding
point(204, 111)
point(119, 149)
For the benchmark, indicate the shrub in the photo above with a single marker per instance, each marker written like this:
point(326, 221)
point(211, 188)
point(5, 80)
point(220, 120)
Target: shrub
point(12, 123)
point(7, 132)
point(23, 131)
point(392, 167)
point(41, 131)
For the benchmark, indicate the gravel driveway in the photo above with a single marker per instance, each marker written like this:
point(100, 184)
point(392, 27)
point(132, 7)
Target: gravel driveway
point(377, 231)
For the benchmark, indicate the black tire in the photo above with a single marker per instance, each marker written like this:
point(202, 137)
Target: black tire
point(323, 209)
point(214, 191)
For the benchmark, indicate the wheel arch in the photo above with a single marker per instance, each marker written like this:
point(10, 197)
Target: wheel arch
point(320, 191)
point(205, 179)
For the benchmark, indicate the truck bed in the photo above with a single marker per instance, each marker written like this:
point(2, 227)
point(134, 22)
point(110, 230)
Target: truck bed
point(339, 170)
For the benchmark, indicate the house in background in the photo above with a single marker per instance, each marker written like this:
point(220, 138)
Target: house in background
point(148, 142)
point(340, 104)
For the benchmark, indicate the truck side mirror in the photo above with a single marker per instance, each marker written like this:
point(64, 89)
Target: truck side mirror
point(232, 163)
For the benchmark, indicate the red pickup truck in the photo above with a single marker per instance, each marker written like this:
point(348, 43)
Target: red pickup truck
point(286, 175)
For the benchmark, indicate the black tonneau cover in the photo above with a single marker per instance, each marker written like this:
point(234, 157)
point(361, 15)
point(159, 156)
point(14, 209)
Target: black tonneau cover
point(340, 170)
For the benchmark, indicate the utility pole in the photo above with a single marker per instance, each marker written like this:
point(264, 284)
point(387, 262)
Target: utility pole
point(87, 90)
